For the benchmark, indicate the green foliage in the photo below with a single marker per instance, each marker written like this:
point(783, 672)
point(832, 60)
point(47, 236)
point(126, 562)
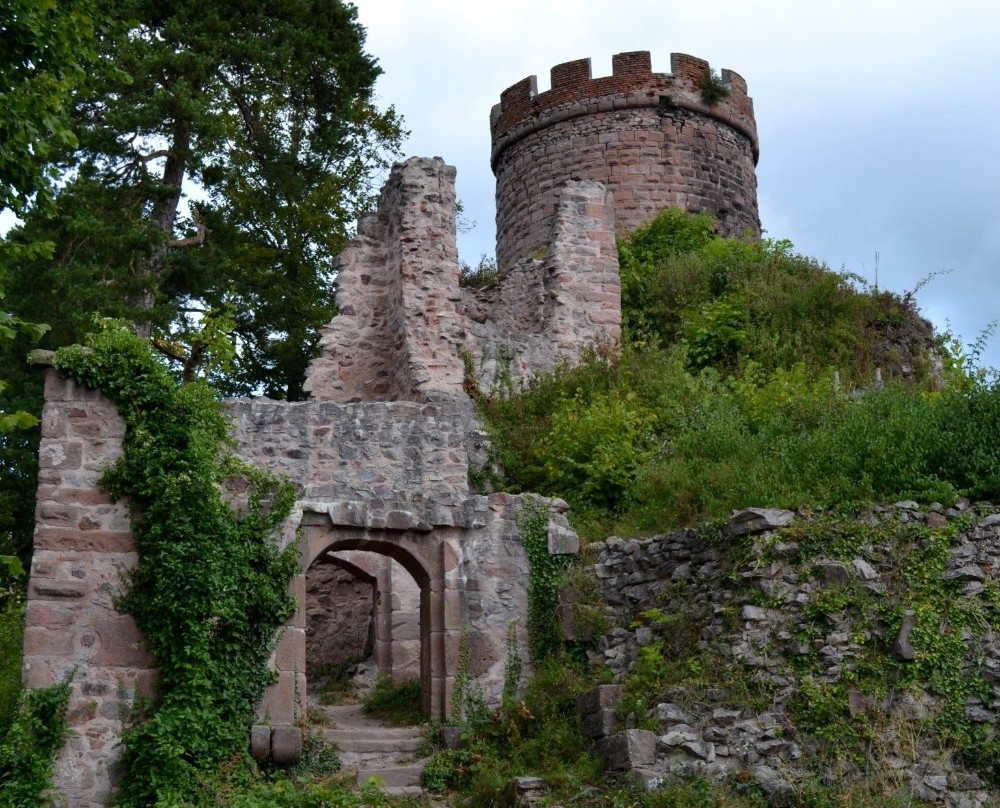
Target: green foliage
point(715, 334)
point(50, 50)
point(270, 108)
point(595, 447)
point(713, 88)
point(11, 639)
point(546, 575)
point(637, 443)
point(211, 585)
point(724, 394)
point(730, 300)
point(537, 736)
point(468, 704)
point(30, 745)
point(512, 669)
point(671, 233)
point(288, 792)
point(396, 703)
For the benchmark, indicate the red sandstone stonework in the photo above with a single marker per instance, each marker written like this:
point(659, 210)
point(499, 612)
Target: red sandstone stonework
point(649, 138)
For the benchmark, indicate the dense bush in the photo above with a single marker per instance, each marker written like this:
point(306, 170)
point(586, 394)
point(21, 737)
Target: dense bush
point(724, 394)
point(730, 300)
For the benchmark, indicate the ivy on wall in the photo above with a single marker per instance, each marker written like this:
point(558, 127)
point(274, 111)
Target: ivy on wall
point(211, 585)
point(543, 585)
point(29, 747)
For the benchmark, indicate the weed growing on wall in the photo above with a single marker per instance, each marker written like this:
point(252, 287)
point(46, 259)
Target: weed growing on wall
point(543, 584)
point(27, 752)
point(211, 584)
point(948, 626)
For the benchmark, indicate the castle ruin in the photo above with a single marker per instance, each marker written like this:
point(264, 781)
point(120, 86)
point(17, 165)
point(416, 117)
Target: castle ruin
point(654, 140)
point(383, 453)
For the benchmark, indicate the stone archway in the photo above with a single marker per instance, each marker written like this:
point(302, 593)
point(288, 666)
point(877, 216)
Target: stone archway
point(362, 614)
point(426, 554)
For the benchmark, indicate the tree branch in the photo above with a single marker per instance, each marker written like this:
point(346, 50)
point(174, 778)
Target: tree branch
point(146, 158)
point(200, 234)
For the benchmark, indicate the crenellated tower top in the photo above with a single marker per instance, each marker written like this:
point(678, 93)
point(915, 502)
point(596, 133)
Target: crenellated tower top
point(654, 139)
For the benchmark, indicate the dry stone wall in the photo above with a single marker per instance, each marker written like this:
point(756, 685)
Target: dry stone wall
point(649, 138)
point(779, 627)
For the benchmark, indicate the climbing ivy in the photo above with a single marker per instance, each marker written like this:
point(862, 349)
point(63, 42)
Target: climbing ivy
point(543, 585)
point(948, 628)
point(211, 585)
point(27, 752)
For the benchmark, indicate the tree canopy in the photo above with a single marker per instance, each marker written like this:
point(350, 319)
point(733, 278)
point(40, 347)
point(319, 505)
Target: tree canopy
point(193, 166)
point(268, 109)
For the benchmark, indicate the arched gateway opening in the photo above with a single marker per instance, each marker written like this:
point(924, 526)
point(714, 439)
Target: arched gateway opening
point(468, 561)
point(426, 555)
point(362, 623)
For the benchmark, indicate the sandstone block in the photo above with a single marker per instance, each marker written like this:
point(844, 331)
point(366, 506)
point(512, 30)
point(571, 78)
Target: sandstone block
point(286, 744)
point(260, 742)
point(627, 750)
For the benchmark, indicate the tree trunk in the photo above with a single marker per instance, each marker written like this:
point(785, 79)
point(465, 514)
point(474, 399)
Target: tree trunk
point(150, 270)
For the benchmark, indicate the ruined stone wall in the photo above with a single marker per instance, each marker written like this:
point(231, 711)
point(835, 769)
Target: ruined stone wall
point(648, 137)
point(398, 334)
point(405, 324)
point(546, 309)
point(394, 456)
point(83, 552)
point(389, 478)
point(756, 619)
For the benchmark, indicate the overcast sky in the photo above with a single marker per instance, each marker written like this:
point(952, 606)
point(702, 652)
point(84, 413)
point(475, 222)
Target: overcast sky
point(877, 119)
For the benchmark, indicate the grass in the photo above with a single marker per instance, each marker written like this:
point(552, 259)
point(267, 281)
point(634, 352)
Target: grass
point(398, 704)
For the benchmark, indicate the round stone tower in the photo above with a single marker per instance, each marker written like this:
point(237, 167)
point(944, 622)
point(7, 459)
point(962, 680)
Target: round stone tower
point(654, 139)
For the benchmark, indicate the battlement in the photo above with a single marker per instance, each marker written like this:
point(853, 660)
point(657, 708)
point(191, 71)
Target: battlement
point(652, 139)
point(632, 84)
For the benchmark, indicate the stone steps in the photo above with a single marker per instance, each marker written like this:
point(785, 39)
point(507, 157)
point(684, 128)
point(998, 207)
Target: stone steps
point(376, 750)
point(395, 776)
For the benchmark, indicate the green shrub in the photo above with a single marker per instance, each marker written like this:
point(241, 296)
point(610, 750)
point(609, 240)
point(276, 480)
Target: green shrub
point(537, 736)
point(30, 745)
point(595, 447)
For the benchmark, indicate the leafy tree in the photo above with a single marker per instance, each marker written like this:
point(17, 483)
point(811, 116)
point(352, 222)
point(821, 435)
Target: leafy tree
point(48, 51)
point(50, 56)
point(266, 106)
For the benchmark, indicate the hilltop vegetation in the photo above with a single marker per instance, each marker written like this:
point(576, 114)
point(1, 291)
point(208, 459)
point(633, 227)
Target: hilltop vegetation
point(741, 379)
point(746, 377)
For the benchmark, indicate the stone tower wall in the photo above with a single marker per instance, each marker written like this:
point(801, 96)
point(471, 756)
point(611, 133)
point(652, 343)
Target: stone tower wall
point(648, 137)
